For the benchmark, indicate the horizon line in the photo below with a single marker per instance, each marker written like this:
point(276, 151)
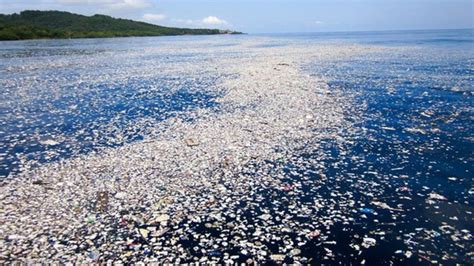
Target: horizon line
point(358, 31)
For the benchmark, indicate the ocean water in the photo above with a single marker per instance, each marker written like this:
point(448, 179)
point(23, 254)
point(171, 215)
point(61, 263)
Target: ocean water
point(410, 109)
point(63, 98)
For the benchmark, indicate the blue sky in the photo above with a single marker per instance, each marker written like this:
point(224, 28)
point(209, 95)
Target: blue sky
point(273, 16)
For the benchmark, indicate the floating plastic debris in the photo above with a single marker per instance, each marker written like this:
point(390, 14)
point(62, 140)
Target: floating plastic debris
point(191, 142)
point(368, 242)
point(293, 165)
point(436, 196)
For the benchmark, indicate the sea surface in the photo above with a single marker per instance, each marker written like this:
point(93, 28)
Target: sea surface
point(413, 112)
point(411, 139)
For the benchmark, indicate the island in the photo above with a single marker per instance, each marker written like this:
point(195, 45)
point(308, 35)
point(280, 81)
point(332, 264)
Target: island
point(34, 24)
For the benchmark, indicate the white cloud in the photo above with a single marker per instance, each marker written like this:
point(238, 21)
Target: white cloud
point(319, 22)
point(136, 4)
point(153, 17)
point(204, 22)
point(88, 2)
point(212, 20)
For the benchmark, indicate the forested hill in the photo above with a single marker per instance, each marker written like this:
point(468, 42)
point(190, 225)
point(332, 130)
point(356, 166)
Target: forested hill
point(59, 24)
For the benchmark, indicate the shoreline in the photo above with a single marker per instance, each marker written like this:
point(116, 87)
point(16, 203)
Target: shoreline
point(120, 37)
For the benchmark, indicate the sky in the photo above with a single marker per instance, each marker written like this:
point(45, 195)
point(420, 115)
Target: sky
point(272, 16)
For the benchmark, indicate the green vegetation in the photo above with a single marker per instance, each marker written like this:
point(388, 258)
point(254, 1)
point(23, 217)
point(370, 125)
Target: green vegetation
point(58, 24)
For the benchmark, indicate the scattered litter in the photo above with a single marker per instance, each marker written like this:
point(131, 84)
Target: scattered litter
point(162, 218)
point(368, 242)
point(191, 142)
point(144, 233)
point(102, 201)
point(294, 166)
point(436, 196)
point(49, 142)
point(384, 206)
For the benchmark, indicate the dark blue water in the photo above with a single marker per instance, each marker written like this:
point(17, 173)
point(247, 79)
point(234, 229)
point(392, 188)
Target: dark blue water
point(63, 98)
point(399, 172)
point(105, 116)
point(416, 111)
point(412, 137)
point(462, 37)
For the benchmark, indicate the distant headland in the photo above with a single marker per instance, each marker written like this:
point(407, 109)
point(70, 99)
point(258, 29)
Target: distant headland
point(32, 24)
